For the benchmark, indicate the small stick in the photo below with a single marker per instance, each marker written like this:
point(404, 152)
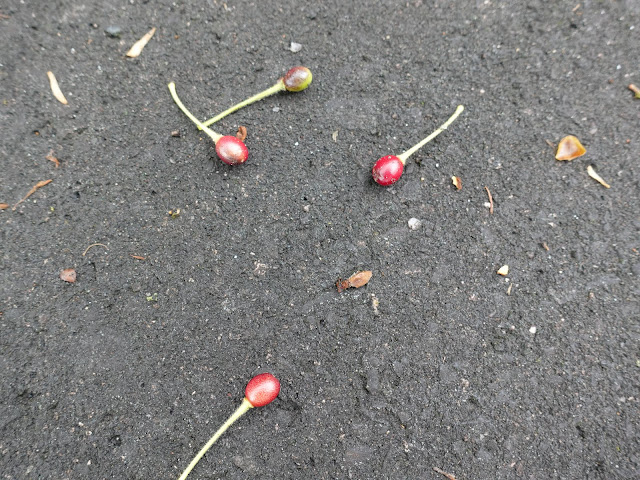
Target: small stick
point(490, 200)
point(94, 245)
point(32, 191)
point(53, 159)
point(635, 90)
point(55, 88)
point(450, 476)
point(137, 257)
point(137, 47)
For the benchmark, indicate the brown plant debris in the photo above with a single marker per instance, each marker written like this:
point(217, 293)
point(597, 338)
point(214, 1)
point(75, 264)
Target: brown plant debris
point(94, 245)
point(569, 148)
point(450, 476)
point(175, 133)
point(55, 88)
point(241, 134)
point(356, 280)
point(592, 173)
point(4, 206)
point(490, 200)
point(53, 159)
point(32, 191)
point(137, 257)
point(635, 90)
point(457, 182)
point(545, 246)
point(68, 275)
point(137, 47)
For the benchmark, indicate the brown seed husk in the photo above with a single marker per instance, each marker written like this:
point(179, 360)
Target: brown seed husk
point(457, 182)
point(360, 279)
point(68, 275)
point(569, 148)
point(137, 47)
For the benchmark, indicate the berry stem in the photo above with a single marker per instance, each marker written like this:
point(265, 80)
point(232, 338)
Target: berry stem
point(404, 156)
point(244, 407)
point(214, 136)
point(278, 87)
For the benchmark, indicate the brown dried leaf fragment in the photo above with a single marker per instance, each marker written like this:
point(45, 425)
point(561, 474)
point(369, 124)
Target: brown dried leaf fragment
point(68, 275)
point(38, 185)
point(592, 173)
point(137, 47)
point(4, 206)
point(360, 279)
point(450, 476)
point(53, 159)
point(457, 182)
point(55, 88)
point(356, 280)
point(241, 134)
point(490, 200)
point(137, 257)
point(569, 148)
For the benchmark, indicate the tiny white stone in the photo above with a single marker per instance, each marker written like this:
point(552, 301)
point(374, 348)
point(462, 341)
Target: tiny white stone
point(414, 223)
point(295, 47)
point(533, 330)
point(275, 109)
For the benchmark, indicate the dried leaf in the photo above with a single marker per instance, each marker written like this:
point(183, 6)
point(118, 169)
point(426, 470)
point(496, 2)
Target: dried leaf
point(68, 275)
point(137, 47)
point(4, 206)
point(457, 182)
point(592, 173)
point(569, 148)
point(360, 279)
point(241, 134)
point(503, 270)
point(55, 88)
point(38, 185)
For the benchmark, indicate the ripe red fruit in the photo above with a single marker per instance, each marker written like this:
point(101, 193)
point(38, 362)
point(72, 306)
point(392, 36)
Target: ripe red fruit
point(387, 170)
point(262, 389)
point(231, 150)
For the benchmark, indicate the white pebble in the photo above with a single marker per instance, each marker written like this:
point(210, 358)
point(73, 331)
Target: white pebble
point(414, 223)
point(533, 330)
point(295, 47)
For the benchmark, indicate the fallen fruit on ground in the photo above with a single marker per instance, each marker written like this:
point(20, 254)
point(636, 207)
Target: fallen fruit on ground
point(569, 148)
point(295, 80)
point(388, 169)
point(260, 391)
point(231, 150)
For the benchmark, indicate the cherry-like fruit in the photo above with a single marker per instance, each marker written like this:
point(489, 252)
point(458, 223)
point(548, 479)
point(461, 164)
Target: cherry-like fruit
point(260, 391)
point(231, 150)
point(295, 80)
point(388, 169)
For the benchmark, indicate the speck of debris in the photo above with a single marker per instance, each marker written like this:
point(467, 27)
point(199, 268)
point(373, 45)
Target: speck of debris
point(533, 330)
point(275, 109)
point(113, 31)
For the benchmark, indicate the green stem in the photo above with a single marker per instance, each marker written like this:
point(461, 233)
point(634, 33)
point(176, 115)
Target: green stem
point(404, 156)
point(278, 87)
point(214, 136)
point(242, 409)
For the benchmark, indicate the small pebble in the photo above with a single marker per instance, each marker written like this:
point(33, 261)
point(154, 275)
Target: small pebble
point(295, 47)
point(113, 31)
point(275, 109)
point(414, 223)
point(533, 330)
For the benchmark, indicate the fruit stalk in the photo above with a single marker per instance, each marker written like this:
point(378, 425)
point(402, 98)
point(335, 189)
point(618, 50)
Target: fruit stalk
point(214, 136)
point(405, 155)
point(244, 407)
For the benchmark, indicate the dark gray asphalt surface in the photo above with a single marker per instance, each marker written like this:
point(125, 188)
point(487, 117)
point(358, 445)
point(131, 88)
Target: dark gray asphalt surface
point(438, 361)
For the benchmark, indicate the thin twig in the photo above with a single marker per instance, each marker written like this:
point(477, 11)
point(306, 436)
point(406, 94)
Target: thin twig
point(490, 200)
point(32, 191)
point(450, 476)
point(94, 245)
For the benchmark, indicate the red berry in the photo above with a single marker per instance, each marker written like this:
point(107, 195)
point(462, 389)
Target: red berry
point(262, 389)
point(231, 150)
point(387, 170)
